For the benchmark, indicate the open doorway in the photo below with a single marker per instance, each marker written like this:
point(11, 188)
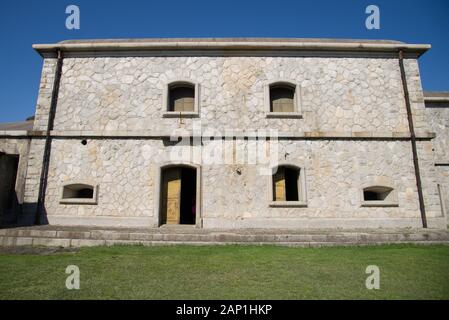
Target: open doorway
point(8, 197)
point(178, 196)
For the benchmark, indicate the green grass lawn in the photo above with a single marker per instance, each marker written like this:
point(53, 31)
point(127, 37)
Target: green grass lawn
point(229, 272)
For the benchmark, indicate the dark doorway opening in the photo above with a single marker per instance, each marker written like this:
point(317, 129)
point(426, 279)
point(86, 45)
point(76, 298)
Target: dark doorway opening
point(291, 184)
point(8, 198)
point(188, 196)
point(178, 196)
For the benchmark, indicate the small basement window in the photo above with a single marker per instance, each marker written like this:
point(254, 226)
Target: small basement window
point(379, 196)
point(79, 193)
point(288, 187)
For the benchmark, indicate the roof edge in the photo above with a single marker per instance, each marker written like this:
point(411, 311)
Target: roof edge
point(436, 96)
point(224, 45)
point(436, 99)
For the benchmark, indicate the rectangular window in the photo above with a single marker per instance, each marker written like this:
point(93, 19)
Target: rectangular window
point(286, 182)
point(79, 193)
point(181, 99)
point(283, 100)
point(379, 196)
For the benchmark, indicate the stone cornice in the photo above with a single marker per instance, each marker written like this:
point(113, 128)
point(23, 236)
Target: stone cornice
point(436, 96)
point(227, 45)
point(436, 99)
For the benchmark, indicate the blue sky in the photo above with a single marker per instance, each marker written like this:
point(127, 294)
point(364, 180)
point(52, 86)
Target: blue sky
point(24, 22)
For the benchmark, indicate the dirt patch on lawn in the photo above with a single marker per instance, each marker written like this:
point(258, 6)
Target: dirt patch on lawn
point(41, 251)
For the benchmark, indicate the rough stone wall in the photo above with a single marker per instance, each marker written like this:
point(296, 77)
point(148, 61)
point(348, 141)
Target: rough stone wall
point(36, 150)
point(335, 172)
point(121, 169)
point(425, 149)
point(420, 121)
point(338, 94)
point(126, 170)
point(443, 174)
point(31, 193)
point(438, 116)
point(14, 146)
point(429, 179)
point(44, 96)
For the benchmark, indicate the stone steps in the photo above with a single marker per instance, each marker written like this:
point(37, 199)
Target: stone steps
point(82, 236)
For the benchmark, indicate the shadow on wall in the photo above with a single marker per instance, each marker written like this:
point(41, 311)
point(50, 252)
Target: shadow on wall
point(23, 215)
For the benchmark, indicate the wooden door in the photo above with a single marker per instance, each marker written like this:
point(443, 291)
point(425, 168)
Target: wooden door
point(279, 185)
point(171, 196)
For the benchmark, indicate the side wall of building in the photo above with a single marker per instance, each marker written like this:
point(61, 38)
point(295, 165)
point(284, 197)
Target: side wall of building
point(438, 115)
point(425, 149)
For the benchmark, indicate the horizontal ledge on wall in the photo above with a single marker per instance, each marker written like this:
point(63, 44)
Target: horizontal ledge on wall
point(78, 201)
point(288, 115)
point(436, 99)
point(381, 204)
point(184, 114)
point(442, 163)
point(288, 204)
point(20, 133)
point(263, 133)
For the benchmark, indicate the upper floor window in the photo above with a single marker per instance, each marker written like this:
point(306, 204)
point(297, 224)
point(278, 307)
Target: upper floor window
point(181, 99)
point(283, 100)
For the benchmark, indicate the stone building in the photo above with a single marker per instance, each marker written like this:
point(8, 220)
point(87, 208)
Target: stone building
point(229, 133)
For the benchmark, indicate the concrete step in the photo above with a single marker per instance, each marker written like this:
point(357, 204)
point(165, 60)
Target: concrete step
point(83, 236)
point(223, 236)
point(51, 242)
